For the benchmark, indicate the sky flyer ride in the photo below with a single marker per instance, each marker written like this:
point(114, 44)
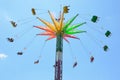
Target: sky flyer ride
point(60, 30)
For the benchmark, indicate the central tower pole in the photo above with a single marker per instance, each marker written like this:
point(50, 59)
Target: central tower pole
point(58, 57)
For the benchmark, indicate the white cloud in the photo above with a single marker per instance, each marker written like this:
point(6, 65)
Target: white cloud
point(2, 56)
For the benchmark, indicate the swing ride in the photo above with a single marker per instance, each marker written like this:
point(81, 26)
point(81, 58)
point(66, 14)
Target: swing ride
point(61, 31)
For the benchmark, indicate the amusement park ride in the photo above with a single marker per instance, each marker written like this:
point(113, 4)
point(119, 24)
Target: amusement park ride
point(61, 31)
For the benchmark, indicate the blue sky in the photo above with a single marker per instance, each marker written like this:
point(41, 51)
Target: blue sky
point(106, 65)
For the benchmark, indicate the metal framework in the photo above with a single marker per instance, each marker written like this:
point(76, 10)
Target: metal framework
point(59, 57)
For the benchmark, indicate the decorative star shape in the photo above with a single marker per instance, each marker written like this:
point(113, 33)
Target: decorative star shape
point(59, 27)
